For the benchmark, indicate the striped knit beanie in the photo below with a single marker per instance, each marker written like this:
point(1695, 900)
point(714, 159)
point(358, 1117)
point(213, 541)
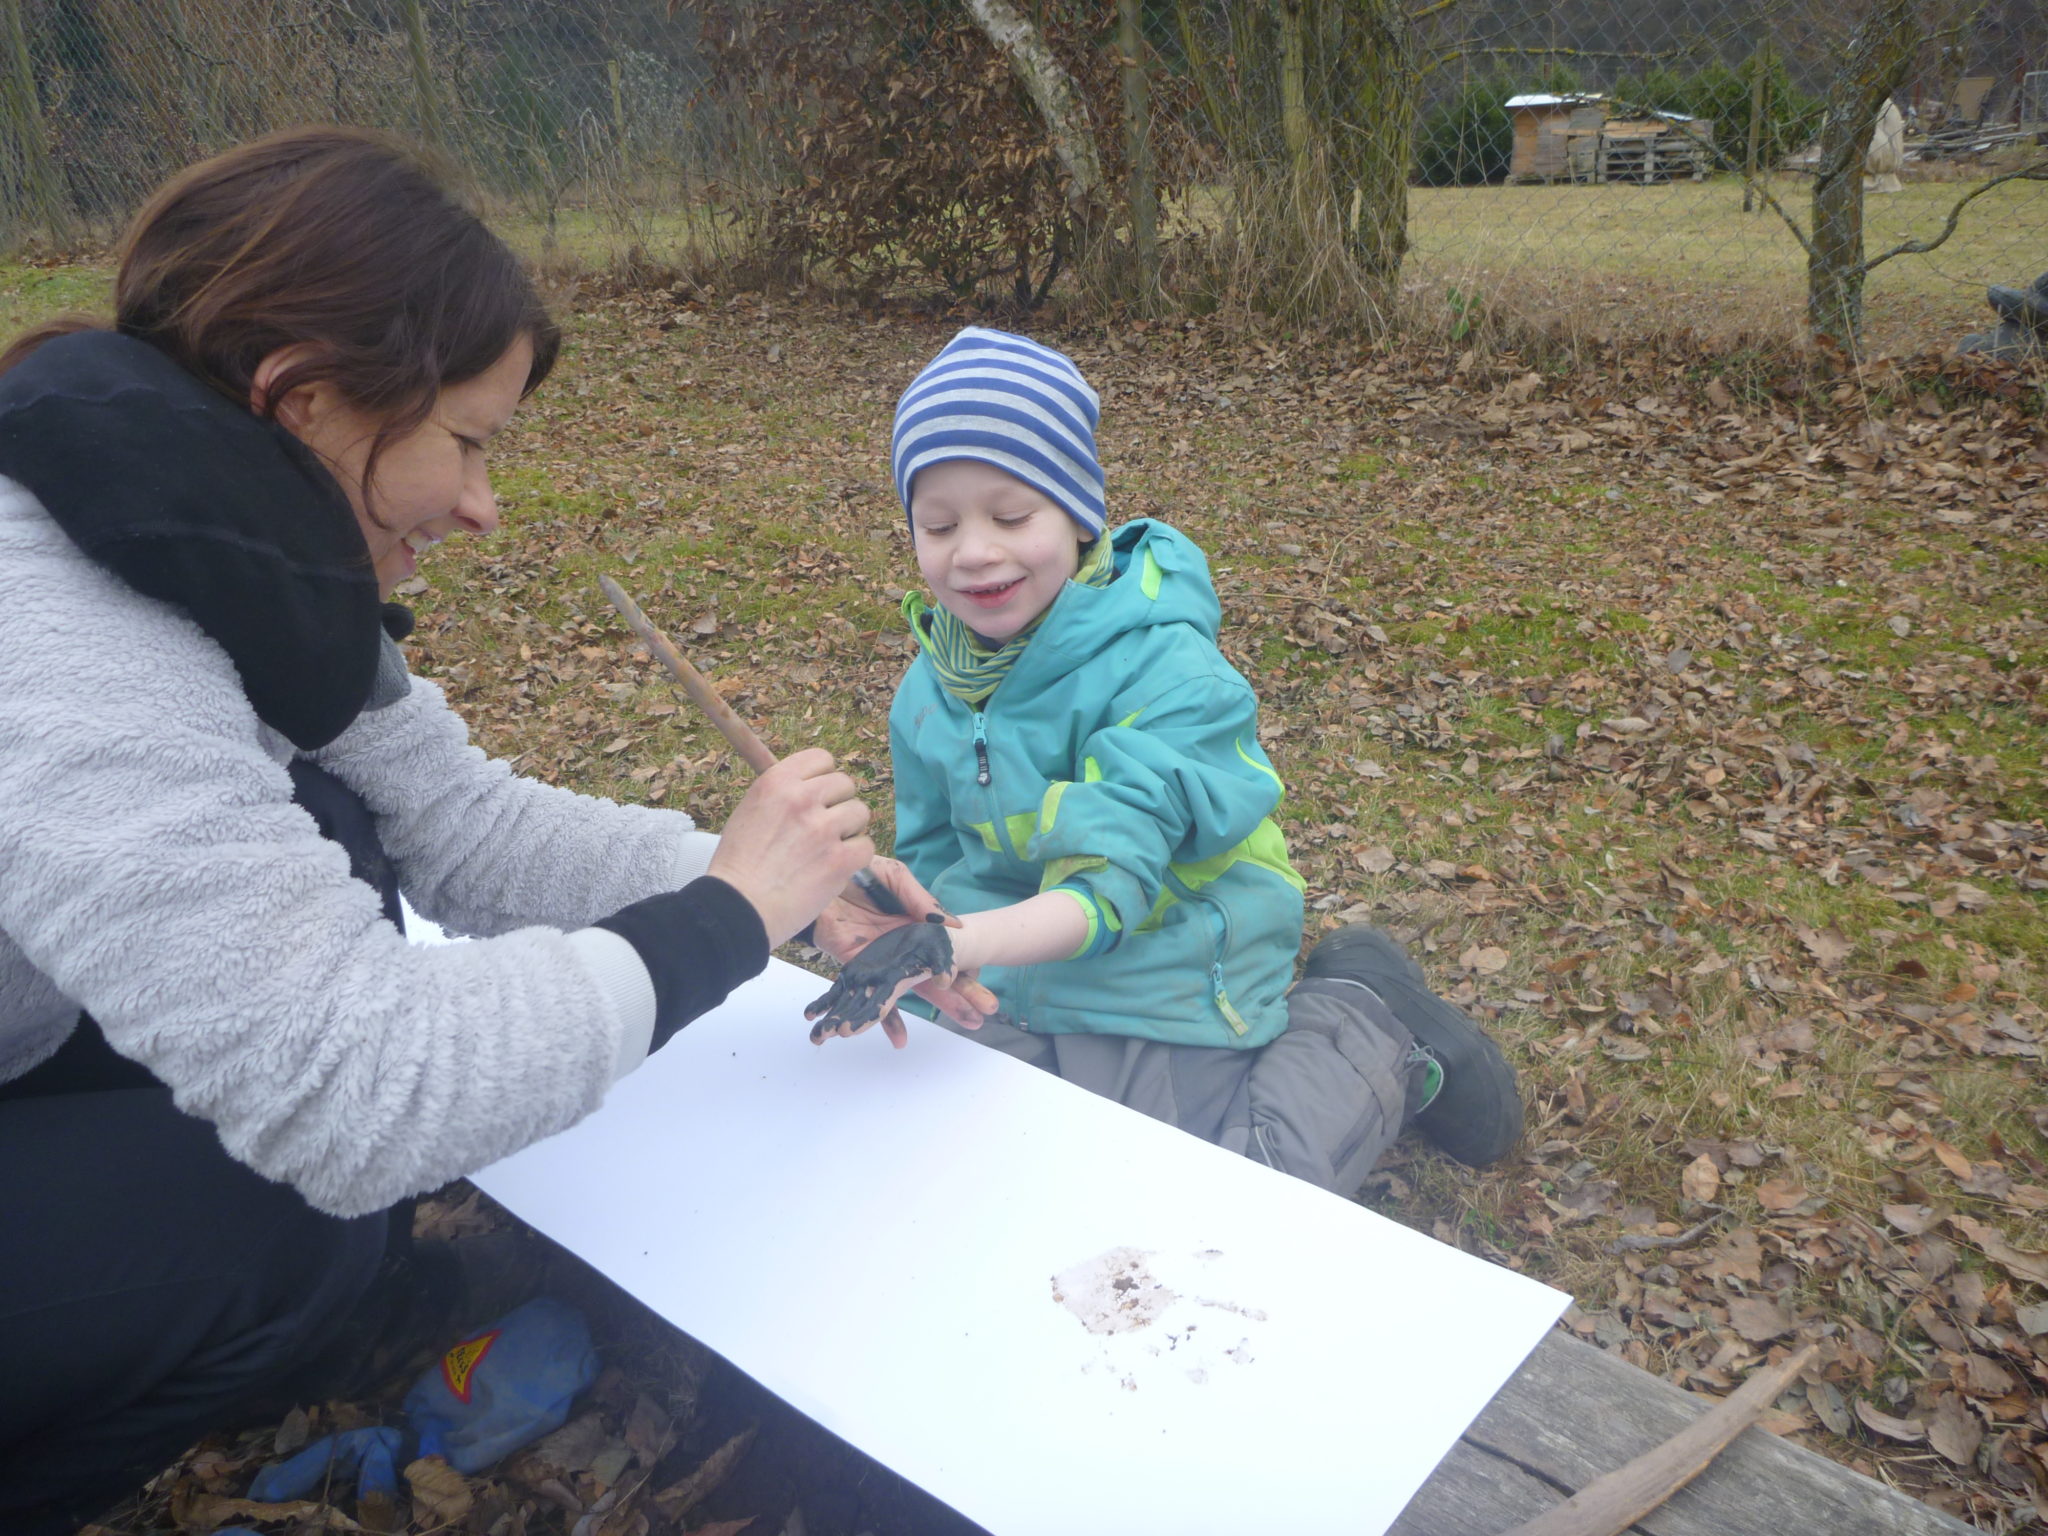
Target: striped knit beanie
point(1009, 402)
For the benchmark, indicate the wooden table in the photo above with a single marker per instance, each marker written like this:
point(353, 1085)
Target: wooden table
point(1574, 1412)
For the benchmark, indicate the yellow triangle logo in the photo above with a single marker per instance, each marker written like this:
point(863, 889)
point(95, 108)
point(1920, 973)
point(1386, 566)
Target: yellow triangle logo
point(458, 1366)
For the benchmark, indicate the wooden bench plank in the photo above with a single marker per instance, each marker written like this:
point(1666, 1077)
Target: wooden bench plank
point(1474, 1493)
point(1574, 1412)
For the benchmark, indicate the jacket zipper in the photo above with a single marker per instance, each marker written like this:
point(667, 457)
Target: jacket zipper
point(981, 773)
point(984, 778)
point(1220, 930)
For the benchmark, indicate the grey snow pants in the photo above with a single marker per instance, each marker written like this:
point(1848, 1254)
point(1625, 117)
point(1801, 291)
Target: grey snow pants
point(1321, 1102)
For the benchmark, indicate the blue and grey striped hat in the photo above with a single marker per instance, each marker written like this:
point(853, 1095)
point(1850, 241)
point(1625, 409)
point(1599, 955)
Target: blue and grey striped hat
point(1009, 402)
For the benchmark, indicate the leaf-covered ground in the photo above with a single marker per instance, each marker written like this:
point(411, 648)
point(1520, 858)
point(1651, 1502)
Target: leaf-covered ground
point(1691, 731)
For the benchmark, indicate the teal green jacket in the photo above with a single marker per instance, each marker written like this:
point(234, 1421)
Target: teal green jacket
point(1121, 748)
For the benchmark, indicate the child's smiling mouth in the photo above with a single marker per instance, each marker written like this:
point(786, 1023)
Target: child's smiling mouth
point(991, 597)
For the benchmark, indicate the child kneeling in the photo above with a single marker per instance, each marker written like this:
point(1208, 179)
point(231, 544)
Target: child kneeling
point(1079, 777)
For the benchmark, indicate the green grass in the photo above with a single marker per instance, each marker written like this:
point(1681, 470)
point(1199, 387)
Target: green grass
point(1617, 255)
point(593, 238)
point(29, 295)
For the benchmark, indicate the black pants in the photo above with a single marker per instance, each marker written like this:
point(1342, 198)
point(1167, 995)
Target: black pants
point(152, 1289)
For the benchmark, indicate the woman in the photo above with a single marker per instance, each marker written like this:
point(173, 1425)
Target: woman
point(221, 1065)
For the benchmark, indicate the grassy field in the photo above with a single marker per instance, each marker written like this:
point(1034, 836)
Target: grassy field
point(1607, 261)
point(30, 295)
point(1623, 256)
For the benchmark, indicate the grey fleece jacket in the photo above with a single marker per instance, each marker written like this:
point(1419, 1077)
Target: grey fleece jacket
point(155, 872)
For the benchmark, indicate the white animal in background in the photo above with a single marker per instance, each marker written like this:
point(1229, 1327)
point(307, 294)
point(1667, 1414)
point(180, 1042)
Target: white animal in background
point(1887, 152)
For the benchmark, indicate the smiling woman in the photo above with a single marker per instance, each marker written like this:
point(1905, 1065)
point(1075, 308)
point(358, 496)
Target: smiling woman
point(427, 485)
point(223, 1070)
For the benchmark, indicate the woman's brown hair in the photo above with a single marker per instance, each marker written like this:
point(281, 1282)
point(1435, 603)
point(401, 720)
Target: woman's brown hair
point(341, 238)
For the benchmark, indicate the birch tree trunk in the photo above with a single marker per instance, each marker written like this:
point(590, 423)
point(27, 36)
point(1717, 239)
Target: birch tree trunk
point(1874, 66)
point(1052, 91)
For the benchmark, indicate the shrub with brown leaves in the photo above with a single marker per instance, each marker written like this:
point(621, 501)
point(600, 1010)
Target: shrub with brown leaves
point(918, 158)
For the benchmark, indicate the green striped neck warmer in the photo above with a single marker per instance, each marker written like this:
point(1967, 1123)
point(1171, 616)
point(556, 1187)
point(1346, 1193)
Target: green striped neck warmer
point(969, 669)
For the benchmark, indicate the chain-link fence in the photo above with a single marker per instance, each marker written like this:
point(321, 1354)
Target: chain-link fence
point(578, 120)
point(1617, 165)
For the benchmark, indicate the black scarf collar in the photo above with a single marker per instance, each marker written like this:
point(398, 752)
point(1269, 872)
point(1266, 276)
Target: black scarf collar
point(194, 500)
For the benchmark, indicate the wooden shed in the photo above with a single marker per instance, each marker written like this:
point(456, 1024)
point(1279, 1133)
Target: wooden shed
point(1571, 138)
point(1546, 130)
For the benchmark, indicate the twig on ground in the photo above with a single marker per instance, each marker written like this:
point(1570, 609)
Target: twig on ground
point(1636, 1242)
point(1609, 1505)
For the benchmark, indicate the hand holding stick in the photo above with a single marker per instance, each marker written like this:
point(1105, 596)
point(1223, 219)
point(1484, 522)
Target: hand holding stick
point(750, 747)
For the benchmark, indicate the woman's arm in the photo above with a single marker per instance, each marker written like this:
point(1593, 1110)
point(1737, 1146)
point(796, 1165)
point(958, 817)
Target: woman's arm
point(160, 877)
point(481, 850)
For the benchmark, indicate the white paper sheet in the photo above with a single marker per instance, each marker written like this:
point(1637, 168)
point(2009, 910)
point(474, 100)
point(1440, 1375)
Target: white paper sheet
point(875, 1235)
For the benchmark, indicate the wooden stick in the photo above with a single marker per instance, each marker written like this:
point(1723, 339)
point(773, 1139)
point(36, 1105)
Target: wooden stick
point(1611, 1504)
point(702, 694)
point(749, 746)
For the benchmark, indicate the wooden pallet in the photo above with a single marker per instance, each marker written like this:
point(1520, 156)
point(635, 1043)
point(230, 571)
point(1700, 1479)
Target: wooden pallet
point(1953, 142)
point(1574, 1412)
point(1651, 157)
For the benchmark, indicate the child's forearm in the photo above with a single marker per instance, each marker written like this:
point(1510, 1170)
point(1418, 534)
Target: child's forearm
point(1049, 926)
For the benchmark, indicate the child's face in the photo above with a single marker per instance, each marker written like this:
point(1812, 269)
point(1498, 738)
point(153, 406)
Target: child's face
point(994, 551)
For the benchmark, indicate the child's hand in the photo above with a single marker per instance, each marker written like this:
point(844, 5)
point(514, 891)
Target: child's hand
point(850, 922)
point(847, 926)
point(868, 985)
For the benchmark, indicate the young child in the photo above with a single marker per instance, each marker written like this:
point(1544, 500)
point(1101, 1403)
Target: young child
point(1079, 777)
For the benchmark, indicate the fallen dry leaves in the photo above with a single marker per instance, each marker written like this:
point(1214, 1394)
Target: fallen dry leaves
point(1687, 723)
point(1692, 733)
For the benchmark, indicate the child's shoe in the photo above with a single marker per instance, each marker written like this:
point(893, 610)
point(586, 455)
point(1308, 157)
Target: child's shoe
point(1468, 1105)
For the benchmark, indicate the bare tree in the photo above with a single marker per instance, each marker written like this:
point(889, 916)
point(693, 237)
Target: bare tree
point(425, 88)
point(1314, 102)
point(1378, 150)
point(1052, 90)
point(1144, 177)
point(1872, 67)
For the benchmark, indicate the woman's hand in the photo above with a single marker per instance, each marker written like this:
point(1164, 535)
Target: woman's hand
point(793, 841)
point(849, 925)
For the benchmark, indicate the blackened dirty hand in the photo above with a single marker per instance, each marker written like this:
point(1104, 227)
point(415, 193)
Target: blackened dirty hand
point(868, 983)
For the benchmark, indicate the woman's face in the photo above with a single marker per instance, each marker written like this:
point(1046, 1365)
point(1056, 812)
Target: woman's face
point(429, 483)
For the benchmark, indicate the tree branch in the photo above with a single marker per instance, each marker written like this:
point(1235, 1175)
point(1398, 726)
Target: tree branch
point(1224, 117)
point(2035, 172)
